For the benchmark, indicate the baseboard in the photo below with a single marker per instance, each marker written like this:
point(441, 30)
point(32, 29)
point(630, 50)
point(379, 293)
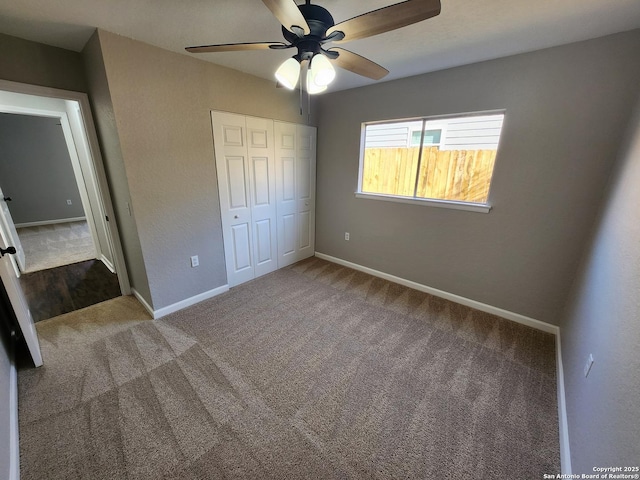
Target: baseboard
point(50, 222)
point(144, 303)
point(14, 443)
point(563, 425)
point(187, 302)
point(515, 317)
point(107, 264)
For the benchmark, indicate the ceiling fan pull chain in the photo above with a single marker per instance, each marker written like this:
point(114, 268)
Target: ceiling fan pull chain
point(308, 108)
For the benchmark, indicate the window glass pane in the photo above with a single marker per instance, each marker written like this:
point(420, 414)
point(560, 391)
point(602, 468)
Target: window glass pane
point(455, 161)
point(390, 163)
point(430, 137)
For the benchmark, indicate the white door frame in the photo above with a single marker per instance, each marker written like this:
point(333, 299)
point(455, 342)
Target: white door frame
point(81, 129)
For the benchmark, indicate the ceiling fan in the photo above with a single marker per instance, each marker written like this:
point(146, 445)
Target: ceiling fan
point(309, 27)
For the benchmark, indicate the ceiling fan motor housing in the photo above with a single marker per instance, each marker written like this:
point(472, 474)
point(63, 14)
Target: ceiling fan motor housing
point(319, 20)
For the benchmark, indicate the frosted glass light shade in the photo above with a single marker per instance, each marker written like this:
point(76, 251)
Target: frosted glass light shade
point(322, 72)
point(312, 88)
point(288, 73)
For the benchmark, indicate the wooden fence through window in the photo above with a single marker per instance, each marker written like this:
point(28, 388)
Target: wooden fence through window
point(462, 175)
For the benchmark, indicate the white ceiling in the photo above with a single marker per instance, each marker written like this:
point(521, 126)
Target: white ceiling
point(466, 31)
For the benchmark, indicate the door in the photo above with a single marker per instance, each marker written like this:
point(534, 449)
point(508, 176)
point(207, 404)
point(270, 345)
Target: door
point(287, 204)
point(306, 190)
point(246, 180)
point(232, 165)
point(10, 236)
point(18, 302)
point(295, 191)
point(262, 188)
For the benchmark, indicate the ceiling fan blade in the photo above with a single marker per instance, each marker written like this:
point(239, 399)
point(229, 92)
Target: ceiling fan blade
point(235, 47)
point(288, 14)
point(386, 19)
point(358, 64)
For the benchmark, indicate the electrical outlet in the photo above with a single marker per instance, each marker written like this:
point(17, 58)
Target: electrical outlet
point(587, 367)
point(68, 202)
point(346, 236)
point(195, 261)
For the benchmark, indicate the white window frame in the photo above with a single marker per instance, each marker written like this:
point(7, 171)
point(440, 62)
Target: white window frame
point(429, 202)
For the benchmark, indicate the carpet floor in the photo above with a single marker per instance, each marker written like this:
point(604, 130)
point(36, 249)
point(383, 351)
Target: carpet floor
point(315, 371)
point(50, 246)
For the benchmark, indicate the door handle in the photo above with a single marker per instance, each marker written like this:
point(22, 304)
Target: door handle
point(236, 217)
point(7, 199)
point(11, 250)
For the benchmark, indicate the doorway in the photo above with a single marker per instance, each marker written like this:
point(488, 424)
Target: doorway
point(42, 193)
point(93, 228)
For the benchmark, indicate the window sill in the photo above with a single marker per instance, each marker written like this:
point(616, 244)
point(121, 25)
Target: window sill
point(471, 207)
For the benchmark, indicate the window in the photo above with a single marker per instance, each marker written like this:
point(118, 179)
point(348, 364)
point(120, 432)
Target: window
point(431, 137)
point(447, 159)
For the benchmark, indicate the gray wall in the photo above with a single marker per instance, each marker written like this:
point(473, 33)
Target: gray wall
point(36, 171)
point(37, 64)
point(566, 111)
point(160, 113)
point(106, 129)
point(602, 319)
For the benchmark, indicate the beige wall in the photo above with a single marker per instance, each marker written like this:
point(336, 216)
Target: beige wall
point(161, 108)
point(566, 110)
point(37, 64)
point(107, 131)
point(603, 319)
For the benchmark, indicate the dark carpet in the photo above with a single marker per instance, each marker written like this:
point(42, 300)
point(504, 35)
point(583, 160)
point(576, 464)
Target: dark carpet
point(60, 290)
point(314, 371)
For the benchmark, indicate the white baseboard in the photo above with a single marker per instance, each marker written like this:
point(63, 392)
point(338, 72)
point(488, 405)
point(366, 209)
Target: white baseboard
point(107, 264)
point(161, 312)
point(50, 222)
point(563, 425)
point(144, 303)
point(516, 317)
point(14, 442)
point(565, 456)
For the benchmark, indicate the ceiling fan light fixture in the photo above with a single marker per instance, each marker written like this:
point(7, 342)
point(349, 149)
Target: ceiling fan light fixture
point(312, 87)
point(322, 72)
point(288, 73)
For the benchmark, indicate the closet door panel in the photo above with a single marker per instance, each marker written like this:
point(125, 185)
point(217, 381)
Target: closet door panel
point(232, 165)
point(260, 149)
point(286, 195)
point(306, 191)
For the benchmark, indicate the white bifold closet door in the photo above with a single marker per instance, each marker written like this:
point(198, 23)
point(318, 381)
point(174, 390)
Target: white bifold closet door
point(245, 163)
point(266, 180)
point(295, 191)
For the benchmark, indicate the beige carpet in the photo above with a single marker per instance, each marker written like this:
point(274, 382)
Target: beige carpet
point(50, 246)
point(311, 372)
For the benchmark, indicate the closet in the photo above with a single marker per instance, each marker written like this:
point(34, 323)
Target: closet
point(266, 182)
